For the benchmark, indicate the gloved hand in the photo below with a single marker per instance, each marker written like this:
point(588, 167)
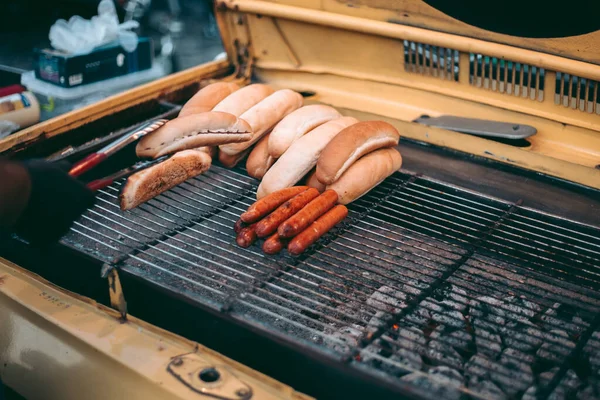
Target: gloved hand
point(56, 200)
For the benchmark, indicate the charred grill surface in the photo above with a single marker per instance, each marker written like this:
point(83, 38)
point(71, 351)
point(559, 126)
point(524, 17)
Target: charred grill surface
point(425, 284)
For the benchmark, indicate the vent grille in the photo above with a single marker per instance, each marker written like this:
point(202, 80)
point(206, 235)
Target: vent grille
point(425, 59)
point(512, 78)
point(576, 93)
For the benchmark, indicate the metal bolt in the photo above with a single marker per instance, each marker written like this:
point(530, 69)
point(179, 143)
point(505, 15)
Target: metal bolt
point(515, 127)
point(242, 392)
point(177, 362)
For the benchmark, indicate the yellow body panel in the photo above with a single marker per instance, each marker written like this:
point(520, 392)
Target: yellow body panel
point(57, 345)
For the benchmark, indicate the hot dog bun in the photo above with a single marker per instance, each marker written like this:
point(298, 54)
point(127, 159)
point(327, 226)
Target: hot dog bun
point(210, 150)
point(351, 144)
point(243, 99)
point(149, 183)
point(264, 115)
point(297, 124)
point(192, 131)
point(366, 173)
point(207, 98)
point(259, 161)
point(231, 161)
point(302, 155)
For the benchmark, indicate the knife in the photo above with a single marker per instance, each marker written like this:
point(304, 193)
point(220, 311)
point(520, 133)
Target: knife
point(124, 173)
point(479, 127)
point(97, 157)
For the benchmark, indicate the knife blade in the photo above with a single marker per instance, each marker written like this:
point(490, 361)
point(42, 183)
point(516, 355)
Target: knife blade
point(479, 127)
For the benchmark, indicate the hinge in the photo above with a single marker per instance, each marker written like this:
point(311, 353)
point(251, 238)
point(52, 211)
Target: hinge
point(115, 290)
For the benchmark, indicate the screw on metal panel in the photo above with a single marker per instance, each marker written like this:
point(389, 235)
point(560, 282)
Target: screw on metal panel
point(242, 392)
point(177, 362)
point(515, 127)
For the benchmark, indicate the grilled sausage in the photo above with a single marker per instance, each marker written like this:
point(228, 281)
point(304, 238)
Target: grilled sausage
point(269, 224)
point(208, 97)
point(317, 229)
point(242, 100)
point(302, 155)
point(247, 236)
point(193, 131)
point(351, 144)
point(297, 124)
point(309, 214)
point(239, 225)
point(264, 115)
point(267, 204)
point(273, 245)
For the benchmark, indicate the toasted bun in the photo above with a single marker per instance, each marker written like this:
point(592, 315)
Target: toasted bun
point(351, 144)
point(366, 173)
point(231, 161)
point(207, 98)
point(259, 160)
point(302, 155)
point(297, 124)
point(210, 150)
point(264, 115)
point(242, 100)
point(149, 183)
point(192, 131)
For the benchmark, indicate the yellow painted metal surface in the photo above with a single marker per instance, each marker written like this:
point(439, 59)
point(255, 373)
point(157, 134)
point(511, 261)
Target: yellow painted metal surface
point(362, 67)
point(57, 345)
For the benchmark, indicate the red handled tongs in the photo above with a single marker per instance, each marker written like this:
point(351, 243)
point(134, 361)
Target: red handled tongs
point(124, 173)
point(96, 158)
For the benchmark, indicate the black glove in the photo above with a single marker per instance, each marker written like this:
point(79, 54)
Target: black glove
point(55, 202)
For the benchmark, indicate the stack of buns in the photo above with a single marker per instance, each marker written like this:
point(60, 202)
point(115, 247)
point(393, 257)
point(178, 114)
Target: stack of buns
point(284, 141)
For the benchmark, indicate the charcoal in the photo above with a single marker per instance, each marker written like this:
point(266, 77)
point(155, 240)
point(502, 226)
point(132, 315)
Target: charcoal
point(348, 336)
point(487, 308)
point(440, 353)
point(387, 299)
point(450, 318)
point(411, 339)
point(551, 319)
point(441, 382)
point(486, 388)
point(378, 320)
point(515, 375)
point(488, 343)
point(454, 298)
point(589, 392)
point(478, 365)
point(556, 348)
point(400, 363)
point(526, 339)
point(459, 340)
point(352, 312)
point(420, 317)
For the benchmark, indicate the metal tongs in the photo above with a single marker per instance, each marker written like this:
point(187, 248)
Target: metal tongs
point(99, 156)
point(92, 160)
point(479, 127)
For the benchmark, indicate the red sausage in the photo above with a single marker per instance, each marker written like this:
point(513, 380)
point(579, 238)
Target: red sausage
point(317, 229)
point(239, 224)
point(268, 203)
point(309, 214)
point(270, 223)
point(273, 245)
point(247, 236)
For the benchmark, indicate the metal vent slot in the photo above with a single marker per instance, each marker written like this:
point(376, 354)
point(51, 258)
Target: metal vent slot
point(424, 59)
point(439, 288)
point(576, 93)
point(507, 77)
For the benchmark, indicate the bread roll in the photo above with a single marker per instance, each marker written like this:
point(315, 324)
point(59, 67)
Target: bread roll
point(242, 100)
point(231, 161)
point(210, 150)
point(366, 173)
point(149, 183)
point(264, 115)
point(302, 155)
point(312, 181)
point(207, 98)
point(193, 131)
point(351, 144)
point(297, 124)
point(259, 160)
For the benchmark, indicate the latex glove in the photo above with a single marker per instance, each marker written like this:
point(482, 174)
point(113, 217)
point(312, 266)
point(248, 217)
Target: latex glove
point(55, 201)
point(81, 36)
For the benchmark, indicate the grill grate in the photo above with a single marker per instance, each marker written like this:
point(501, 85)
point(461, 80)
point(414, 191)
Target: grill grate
point(450, 291)
point(508, 77)
point(425, 59)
